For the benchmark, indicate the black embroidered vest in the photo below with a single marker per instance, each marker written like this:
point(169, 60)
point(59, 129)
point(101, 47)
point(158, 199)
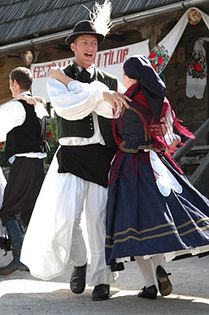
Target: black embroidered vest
point(25, 138)
point(84, 127)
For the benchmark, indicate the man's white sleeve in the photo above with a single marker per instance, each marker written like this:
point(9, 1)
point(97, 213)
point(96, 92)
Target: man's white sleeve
point(12, 114)
point(75, 101)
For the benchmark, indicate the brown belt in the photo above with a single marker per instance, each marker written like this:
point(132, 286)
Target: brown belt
point(139, 148)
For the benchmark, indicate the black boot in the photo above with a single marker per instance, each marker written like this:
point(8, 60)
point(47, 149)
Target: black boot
point(148, 293)
point(15, 234)
point(101, 292)
point(78, 279)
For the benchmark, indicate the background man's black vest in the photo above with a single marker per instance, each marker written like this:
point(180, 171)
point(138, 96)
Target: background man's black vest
point(27, 137)
point(84, 127)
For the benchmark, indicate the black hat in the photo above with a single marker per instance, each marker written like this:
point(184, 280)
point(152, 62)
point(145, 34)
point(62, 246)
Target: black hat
point(82, 28)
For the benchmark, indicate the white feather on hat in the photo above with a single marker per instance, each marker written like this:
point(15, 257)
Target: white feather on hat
point(100, 17)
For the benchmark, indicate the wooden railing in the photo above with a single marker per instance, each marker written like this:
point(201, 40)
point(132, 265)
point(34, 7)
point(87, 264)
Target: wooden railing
point(200, 177)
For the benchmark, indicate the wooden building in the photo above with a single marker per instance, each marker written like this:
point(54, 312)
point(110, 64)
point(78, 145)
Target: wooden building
point(33, 31)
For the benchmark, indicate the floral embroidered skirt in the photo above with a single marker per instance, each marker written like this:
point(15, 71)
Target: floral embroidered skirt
point(152, 209)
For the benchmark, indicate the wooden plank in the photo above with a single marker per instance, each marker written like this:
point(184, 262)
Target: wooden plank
point(197, 176)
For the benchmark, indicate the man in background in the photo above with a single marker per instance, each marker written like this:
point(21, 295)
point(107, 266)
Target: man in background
point(20, 127)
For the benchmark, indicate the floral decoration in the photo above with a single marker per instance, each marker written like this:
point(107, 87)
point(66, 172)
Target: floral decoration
point(197, 68)
point(51, 138)
point(159, 57)
point(51, 133)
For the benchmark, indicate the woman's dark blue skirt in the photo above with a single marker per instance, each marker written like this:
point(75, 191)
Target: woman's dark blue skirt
point(141, 221)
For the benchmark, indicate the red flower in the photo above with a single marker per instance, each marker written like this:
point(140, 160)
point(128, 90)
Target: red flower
point(197, 67)
point(49, 135)
point(152, 55)
point(160, 60)
point(154, 66)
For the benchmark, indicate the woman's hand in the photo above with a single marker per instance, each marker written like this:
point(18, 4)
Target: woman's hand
point(159, 129)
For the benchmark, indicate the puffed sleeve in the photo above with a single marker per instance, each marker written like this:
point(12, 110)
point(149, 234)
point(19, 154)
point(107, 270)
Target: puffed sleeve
point(77, 100)
point(12, 114)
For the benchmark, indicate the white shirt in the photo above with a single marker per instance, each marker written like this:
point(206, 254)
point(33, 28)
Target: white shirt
point(12, 114)
point(77, 101)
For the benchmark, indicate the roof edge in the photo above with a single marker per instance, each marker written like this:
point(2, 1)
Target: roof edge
point(120, 20)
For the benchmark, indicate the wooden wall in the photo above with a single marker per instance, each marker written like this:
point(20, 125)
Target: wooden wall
point(192, 111)
point(6, 65)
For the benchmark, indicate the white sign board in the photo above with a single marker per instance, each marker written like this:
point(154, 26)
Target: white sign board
point(110, 60)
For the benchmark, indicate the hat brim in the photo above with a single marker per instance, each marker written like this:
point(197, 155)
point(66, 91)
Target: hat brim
point(73, 36)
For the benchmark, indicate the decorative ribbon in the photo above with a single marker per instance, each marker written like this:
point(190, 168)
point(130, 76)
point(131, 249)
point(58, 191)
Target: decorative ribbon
point(162, 52)
point(197, 71)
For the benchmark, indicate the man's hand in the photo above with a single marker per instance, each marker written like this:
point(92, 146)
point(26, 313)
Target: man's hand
point(32, 100)
point(55, 73)
point(117, 100)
